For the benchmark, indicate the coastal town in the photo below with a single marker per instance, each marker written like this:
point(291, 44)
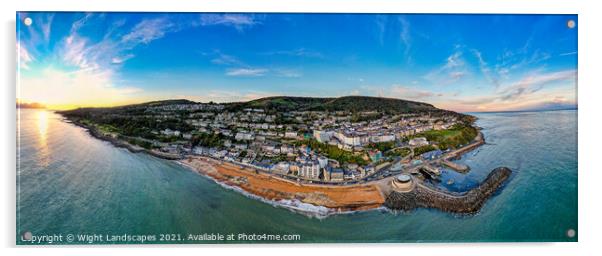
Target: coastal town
point(325, 154)
point(331, 147)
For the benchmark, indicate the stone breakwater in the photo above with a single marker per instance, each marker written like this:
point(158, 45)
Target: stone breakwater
point(467, 203)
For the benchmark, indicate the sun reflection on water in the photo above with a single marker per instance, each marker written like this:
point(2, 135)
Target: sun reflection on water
point(42, 123)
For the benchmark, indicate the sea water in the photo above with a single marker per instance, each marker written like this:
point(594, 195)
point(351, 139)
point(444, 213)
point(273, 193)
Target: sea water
point(69, 183)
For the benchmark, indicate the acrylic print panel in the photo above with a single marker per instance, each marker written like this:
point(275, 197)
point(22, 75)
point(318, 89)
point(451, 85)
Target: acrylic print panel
point(295, 128)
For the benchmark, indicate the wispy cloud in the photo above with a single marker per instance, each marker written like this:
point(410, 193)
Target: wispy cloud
point(238, 67)
point(224, 59)
point(238, 21)
point(453, 69)
point(568, 53)
point(113, 48)
point(78, 24)
point(121, 59)
point(381, 25)
point(97, 62)
point(249, 72)
point(147, 31)
point(533, 83)
point(46, 27)
point(299, 52)
point(405, 34)
point(519, 59)
point(23, 57)
point(533, 91)
point(76, 52)
point(485, 70)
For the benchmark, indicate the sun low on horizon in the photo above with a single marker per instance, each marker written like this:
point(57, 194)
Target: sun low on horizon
point(465, 63)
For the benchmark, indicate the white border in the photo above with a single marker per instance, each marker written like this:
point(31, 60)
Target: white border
point(589, 121)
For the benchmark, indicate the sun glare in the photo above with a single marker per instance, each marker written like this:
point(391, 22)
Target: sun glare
point(42, 121)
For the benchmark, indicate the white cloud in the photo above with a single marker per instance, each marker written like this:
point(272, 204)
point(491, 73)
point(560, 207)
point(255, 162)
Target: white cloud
point(533, 83)
point(299, 52)
point(239, 21)
point(486, 71)
point(78, 24)
point(23, 57)
point(454, 61)
point(405, 34)
point(240, 68)
point(75, 52)
point(568, 53)
point(246, 72)
point(530, 92)
point(224, 59)
point(81, 52)
point(147, 31)
point(451, 71)
point(519, 59)
point(46, 27)
point(381, 22)
point(121, 59)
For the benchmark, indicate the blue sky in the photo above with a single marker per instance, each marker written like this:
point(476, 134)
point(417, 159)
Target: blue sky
point(459, 62)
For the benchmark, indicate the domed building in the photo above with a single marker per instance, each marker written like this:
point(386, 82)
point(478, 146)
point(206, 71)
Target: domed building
point(402, 183)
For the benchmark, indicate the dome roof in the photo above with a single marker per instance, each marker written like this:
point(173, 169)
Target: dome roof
point(403, 178)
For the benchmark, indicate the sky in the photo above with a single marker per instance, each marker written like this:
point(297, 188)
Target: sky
point(460, 62)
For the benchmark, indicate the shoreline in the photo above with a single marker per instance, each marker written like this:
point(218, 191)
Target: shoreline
point(337, 199)
point(320, 200)
point(122, 144)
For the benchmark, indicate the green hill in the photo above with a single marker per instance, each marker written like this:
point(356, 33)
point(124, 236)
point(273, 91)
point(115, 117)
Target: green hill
point(347, 103)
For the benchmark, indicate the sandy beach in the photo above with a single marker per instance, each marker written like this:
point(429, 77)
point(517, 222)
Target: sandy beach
point(339, 198)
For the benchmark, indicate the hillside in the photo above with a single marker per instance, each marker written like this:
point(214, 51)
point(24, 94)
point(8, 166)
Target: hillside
point(347, 103)
point(282, 104)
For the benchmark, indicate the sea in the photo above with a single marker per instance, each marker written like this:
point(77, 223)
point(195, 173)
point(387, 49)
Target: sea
point(75, 189)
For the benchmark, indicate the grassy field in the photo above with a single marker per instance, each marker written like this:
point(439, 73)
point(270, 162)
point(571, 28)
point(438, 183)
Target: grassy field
point(402, 152)
point(451, 138)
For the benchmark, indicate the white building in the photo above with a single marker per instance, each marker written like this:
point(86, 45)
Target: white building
point(417, 142)
point(169, 132)
point(322, 161)
point(323, 136)
point(310, 171)
point(244, 136)
point(281, 168)
point(349, 140)
point(290, 134)
point(382, 138)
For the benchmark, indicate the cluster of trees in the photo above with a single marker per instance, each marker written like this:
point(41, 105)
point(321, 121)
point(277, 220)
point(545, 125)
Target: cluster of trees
point(334, 152)
point(402, 152)
point(382, 146)
point(423, 149)
point(358, 117)
point(207, 140)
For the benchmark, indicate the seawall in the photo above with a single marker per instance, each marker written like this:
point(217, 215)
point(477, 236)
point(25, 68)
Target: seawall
point(468, 202)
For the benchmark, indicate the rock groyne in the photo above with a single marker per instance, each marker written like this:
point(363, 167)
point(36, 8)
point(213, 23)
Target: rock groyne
point(468, 202)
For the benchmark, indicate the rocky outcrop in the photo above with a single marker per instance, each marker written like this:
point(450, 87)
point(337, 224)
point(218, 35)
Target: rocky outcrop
point(468, 202)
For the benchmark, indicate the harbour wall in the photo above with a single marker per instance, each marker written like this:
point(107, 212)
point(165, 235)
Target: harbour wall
point(468, 202)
